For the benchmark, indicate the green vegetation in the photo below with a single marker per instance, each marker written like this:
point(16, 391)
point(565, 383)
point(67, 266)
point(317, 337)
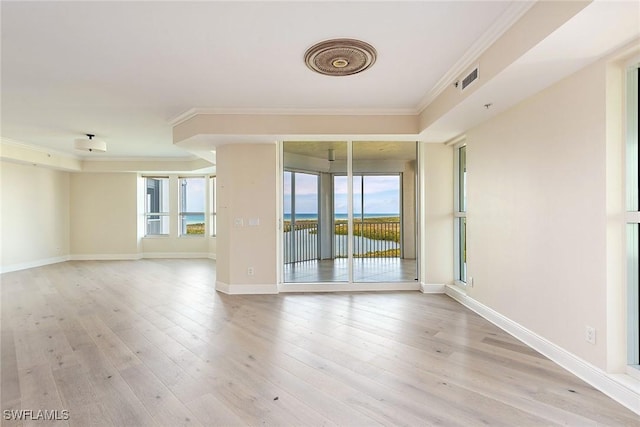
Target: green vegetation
point(389, 253)
point(384, 228)
point(301, 224)
point(372, 229)
point(195, 228)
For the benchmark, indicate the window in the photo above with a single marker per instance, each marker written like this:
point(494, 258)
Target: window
point(212, 205)
point(460, 213)
point(191, 201)
point(633, 219)
point(157, 206)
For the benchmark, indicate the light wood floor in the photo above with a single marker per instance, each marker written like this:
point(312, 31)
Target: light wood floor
point(151, 343)
point(364, 270)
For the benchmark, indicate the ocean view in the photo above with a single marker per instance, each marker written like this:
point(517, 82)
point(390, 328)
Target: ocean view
point(312, 216)
point(199, 218)
point(194, 219)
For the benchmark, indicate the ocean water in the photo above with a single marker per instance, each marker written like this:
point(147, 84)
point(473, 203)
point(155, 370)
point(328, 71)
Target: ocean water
point(194, 219)
point(310, 216)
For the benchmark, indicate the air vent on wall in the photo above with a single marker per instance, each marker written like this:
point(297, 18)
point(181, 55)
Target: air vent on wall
point(468, 79)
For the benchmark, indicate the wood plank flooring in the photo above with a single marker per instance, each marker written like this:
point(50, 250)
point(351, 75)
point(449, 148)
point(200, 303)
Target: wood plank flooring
point(150, 343)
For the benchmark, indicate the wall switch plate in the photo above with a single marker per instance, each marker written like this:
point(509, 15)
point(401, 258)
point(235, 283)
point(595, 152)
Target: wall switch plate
point(590, 334)
point(238, 222)
point(470, 282)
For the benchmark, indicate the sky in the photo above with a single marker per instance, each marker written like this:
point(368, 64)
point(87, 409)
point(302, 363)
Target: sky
point(382, 194)
point(195, 195)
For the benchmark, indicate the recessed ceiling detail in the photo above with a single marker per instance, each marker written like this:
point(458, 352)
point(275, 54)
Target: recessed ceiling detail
point(340, 57)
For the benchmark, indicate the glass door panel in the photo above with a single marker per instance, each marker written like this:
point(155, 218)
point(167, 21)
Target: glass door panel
point(308, 222)
point(384, 206)
point(322, 192)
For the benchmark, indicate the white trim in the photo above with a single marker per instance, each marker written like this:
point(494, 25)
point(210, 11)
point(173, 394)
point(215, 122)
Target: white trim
point(32, 264)
point(509, 17)
point(621, 388)
point(632, 217)
point(175, 255)
point(39, 148)
point(105, 257)
point(432, 288)
point(128, 159)
point(634, 371)
point(460, 139)
point(211, 256)
point(348, 287)
point(193, 112)
point(248, 289)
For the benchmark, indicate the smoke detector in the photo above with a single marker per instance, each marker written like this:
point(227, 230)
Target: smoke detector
point(340, 57)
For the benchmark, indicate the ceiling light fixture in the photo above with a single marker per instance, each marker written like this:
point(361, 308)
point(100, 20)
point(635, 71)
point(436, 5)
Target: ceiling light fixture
point(340, 57)
point(90, 144)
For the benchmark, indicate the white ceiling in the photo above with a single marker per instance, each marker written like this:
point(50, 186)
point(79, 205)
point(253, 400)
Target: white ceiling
point(124, 70)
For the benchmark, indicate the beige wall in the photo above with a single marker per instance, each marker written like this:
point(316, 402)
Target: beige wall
point(50, 216)
point(437, 208)
point(35, 215)
point(104, 215)
point(246, 189)
point(537, 218)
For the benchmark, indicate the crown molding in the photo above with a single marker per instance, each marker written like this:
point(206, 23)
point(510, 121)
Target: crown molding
point(456, 140)
point(38, 148)
point(141, 159)
point(183, 117)
point(512, 14)
point(509, 17)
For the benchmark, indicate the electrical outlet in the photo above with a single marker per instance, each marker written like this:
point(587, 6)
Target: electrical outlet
point(250, 271)
point(590, 334)
point(470, 282)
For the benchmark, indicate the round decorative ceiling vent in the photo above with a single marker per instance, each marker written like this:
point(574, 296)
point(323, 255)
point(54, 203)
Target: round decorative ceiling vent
point(340, 57)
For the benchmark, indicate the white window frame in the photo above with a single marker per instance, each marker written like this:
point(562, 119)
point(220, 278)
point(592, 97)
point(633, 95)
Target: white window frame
point(182, 213)
point(632, 218)
point(148, 213)
point(459, 215)
point(212, 206)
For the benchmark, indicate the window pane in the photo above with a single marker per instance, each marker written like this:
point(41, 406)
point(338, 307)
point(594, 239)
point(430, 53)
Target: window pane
point(157, 225)
point(192, 199)
point(212, 205)
point(157, 202)
point(462, 179)
point(192, 224)
point(632, 157)
point(462, 256)
point(157, 195)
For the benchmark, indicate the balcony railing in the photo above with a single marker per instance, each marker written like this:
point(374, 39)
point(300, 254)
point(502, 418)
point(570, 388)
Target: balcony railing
point(370, 240)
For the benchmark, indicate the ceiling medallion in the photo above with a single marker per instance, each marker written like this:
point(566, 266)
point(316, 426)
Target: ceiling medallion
point(340, 57)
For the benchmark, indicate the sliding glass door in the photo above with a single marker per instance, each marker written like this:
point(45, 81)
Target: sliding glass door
point(349, 218)
point(300, 216)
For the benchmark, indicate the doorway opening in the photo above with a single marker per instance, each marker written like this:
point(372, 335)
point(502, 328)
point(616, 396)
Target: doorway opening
point(349, 212)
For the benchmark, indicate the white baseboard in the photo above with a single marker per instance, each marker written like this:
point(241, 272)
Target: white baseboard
point(347, 287)
point(175, 255)
point(432, 288)
point(606, 383)
point(105, 257)
point(33, 264)
point(246, 289)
